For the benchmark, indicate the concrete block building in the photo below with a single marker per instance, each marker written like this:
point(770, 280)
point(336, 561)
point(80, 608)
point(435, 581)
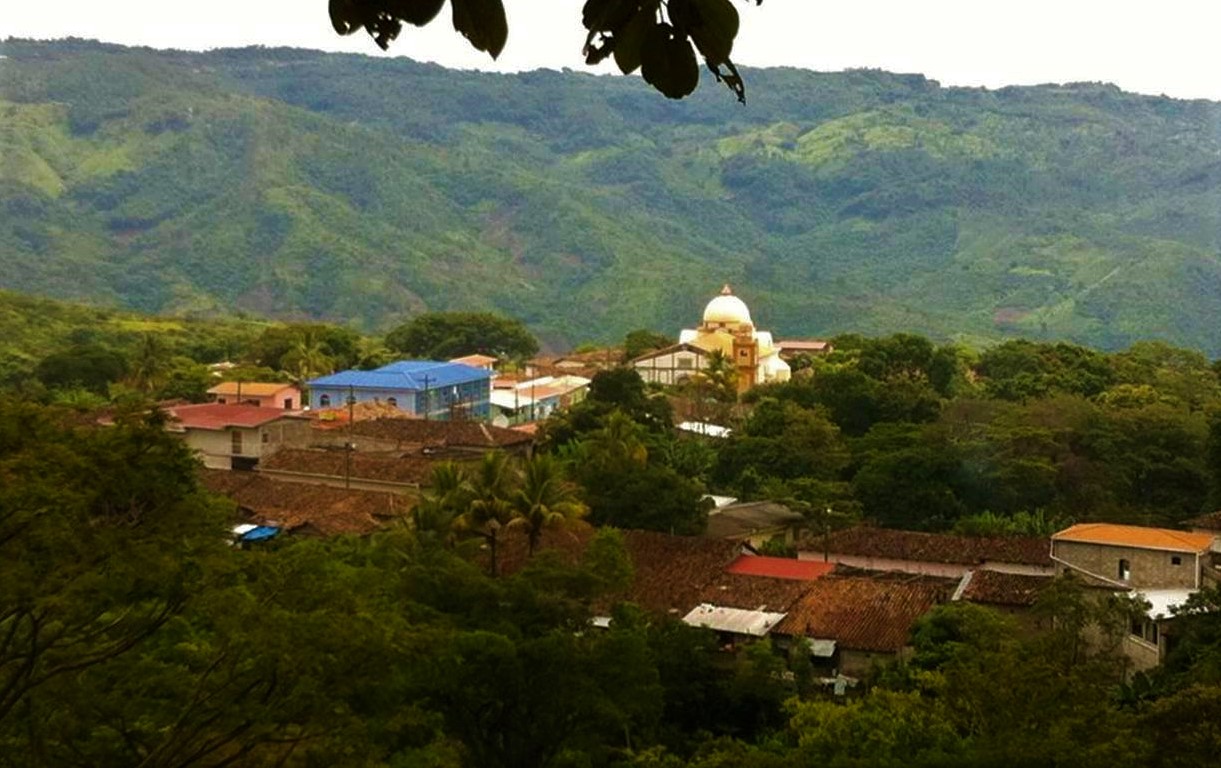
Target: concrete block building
point(425, 388)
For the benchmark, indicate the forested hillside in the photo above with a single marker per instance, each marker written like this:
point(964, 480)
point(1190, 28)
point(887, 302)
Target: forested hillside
point(300, 184)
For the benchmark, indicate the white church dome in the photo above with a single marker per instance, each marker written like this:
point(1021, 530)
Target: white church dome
point(727, 308)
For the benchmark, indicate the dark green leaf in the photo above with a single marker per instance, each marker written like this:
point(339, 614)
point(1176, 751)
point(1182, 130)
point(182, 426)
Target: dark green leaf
point(629, 42)
point(415, 12)
point(483, 23)
point(714, 29)
point(344, 16)
point(668, 62)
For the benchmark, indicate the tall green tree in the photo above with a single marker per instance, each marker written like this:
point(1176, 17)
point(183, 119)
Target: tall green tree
point(445, 335)
point(546, 498)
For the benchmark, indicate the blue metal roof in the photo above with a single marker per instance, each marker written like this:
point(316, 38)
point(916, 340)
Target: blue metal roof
point(406, 375)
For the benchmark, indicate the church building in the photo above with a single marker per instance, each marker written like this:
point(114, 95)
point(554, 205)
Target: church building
point(728, 329)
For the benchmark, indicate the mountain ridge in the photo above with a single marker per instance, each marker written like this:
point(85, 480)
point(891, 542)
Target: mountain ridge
point(301, 184)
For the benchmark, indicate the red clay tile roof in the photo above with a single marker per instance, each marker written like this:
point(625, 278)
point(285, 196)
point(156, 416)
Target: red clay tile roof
point(864, 613)
point(890, 544)
point(1136, 537)
point(998, 588)
point(671, 572)
point(465, 434)
point(406, 469)
point(780, 567)
point(300, 506)
point(220, 416)
point(748, 592)
point(802, 345)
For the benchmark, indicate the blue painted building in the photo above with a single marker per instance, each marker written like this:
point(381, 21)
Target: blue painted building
point(424, 388)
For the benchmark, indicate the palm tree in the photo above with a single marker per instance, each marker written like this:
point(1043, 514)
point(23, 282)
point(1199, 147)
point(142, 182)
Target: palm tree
point(492, 487)
point(149, 366)
point(546, 499)
point(448, 497)
point(307, 358)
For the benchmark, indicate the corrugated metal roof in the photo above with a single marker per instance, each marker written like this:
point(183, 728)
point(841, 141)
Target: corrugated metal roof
point(1162, 602)
point(733, 620)
point(1136, 536)
point(406, 375)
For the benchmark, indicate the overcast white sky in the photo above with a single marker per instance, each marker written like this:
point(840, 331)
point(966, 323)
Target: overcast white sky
point(1150, 46)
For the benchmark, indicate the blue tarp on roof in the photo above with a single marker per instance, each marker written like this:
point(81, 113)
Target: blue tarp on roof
point(261, 533)
point(406, 375)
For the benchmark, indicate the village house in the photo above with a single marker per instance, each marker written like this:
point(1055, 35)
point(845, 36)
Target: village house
point(306, 510)
point(930, 554)
point(425, 388)
point(1159, 566)
point(794, 348)
point(754, 522)
point(1014, 594)
point(671, 365)
point(486, 362)
point(264, 394)
point(343, 469)
point(522, 402)
point(235, 436)
point(1132, 556)
point(854, 621)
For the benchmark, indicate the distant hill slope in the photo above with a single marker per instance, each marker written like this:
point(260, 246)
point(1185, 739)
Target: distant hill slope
point(295, 183)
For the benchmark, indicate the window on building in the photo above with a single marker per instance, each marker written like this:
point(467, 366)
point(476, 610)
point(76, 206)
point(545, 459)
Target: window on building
point(288, 403)
point(220, 400)
point(324, 401)
point(393, 402)
point(685, 361)
point(266, 437)
point(236, 438)
point(1176, 560)
point(1125, 570)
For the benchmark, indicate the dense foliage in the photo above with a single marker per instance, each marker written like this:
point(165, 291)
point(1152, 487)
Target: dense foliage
point(344, 188)
point(130, 634)
point(446, 335)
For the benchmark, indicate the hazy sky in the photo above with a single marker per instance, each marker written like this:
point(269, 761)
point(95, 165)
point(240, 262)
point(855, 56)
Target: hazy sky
point(1150, 46)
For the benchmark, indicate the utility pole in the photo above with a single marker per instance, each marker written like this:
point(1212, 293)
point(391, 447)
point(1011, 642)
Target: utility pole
point(347, 446)
point(427, 399)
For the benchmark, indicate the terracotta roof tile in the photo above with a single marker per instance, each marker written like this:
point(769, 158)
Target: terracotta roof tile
point(780, 567)
point(465, 434)
point(217, 416)
point(748, 592)
point(1136, 537)
point(405, 469)
point(999, 588)
point(301, 506)
point(886, 543)
point(671, 572)
point(864, 613)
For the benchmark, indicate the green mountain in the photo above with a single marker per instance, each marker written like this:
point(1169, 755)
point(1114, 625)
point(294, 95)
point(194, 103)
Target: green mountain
point(300, 184)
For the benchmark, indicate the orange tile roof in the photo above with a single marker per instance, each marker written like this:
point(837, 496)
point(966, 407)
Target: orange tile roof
point(251, 388)
point(476, 360)
point(1136, 537)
